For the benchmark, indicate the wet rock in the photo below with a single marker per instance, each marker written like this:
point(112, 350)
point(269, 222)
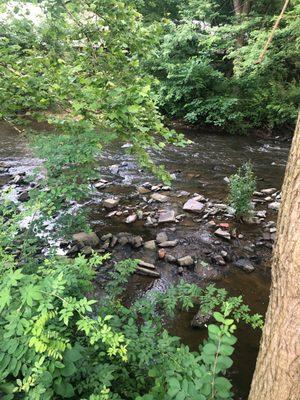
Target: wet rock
point(72, 251)
point(111, 202)
point(183, 193)
point(137, 241)
point(223, 234)
point(111, 214)
point(161, 198)
point(218, 259)
point(224, 225)
point(124, 238)
point(171, 259)
point(267, 236)
point(211, 224)
point(274, 206)
point(166, 188)
point(143, 190)
point(86, 239)
point(199, 197)
point(139, 214)
point(150, 245)
point(105, 245)
point(114, 169)
point(161, 237)
point(168, 243)
point(147, 185)
point(268, 198)
point(162, 253)
point(113, 241)
point(155, 188)
point(273, 230)
point(148, 272)
point(259, 194)
point(244, 264)
point(108, 236)
point(149, 221)
point(269, 191)
point(261, 214)
point(194, 206)
point(185, 261)
point(101, 184)
point(146, 264)
point(24, 196)
point(166, 216)
point(200, 320)
point(131, 218)
point(87, 251)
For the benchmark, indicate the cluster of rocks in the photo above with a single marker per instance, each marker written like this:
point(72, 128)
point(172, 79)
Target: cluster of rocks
point(270, 195)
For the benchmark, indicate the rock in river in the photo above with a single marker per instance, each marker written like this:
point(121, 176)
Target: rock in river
point(159, 197)
point(223, 234)
point(168, 243)
point(166, 216)
point(201, 319)
point(185, 261)
point(150, 245)
point(111, 202)
point(86, 239)
point(244, 264)
point(193, 205)
point(274, 206)
point(161, 237)
point(131, 218)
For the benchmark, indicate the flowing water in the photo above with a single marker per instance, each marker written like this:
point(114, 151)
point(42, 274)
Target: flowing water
point(200, 167)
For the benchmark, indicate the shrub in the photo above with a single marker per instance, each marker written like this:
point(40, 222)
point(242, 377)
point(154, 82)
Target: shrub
point(242, 185)
point(56, 343)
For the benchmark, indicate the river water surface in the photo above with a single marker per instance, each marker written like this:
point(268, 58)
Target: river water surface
point(198, 168)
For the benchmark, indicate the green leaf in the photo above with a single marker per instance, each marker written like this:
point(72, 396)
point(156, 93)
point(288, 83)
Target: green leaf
point(64, 390)
point(210, 349)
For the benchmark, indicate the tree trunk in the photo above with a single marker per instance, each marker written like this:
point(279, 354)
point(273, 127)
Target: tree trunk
point(241, 8)
point(277, 373)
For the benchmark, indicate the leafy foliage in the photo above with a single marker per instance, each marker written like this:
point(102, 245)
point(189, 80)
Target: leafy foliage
point(58, 343)
point(242, 185)
point(208, 70)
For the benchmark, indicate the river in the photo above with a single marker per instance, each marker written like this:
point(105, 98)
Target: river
point(199, 168)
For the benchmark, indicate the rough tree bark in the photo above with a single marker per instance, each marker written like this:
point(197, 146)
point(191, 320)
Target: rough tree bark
point(277, 373)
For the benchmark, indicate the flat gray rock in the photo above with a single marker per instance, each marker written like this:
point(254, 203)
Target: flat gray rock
point(166, 216)
point(194, 206)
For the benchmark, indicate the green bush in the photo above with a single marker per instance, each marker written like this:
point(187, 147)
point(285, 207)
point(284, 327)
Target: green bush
point(242, 185)
point(56, 343)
